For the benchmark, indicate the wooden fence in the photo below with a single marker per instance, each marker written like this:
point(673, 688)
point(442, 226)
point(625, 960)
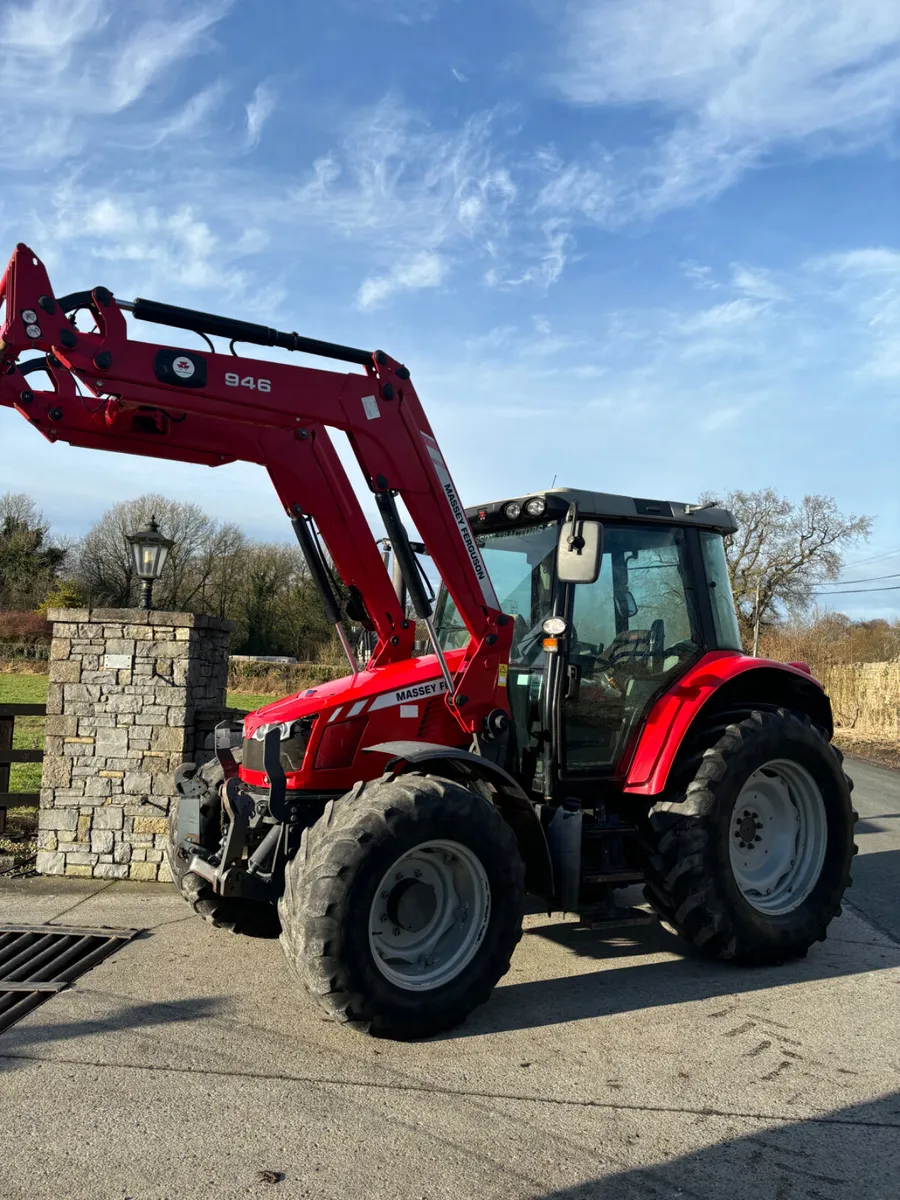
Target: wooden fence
point(8, 799)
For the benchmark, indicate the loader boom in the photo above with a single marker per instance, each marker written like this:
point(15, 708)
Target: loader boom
point(109, 392)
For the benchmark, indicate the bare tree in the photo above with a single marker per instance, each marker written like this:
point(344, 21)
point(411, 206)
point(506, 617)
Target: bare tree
point(202, 548)
point(782, 550)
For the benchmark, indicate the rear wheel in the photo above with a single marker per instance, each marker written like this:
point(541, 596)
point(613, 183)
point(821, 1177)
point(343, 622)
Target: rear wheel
point(403, 906)
point(752, 857)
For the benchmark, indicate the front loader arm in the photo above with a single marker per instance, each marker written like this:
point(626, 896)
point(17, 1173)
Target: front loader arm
point(303, 471)
point(213, 408)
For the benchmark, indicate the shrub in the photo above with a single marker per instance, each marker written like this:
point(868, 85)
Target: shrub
point(28, 627)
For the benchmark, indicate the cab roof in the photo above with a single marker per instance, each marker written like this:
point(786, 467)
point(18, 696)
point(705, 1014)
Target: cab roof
point(608, 506)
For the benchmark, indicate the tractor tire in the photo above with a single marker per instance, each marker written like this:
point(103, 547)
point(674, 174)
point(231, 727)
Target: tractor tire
point(403, 905)
point(750, 858)
point(223, 913)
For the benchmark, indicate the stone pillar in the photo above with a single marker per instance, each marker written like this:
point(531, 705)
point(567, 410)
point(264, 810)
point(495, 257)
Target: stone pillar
point(126, 690)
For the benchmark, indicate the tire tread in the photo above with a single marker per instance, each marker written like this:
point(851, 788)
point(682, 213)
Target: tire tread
point(679, 845)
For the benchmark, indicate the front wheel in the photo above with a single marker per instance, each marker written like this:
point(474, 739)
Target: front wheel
point(403, 906)
point(750, 861)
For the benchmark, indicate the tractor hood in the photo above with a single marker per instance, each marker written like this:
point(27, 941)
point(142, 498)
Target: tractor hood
point(405, 682)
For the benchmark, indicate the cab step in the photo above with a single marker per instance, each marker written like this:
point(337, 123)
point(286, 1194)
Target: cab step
point(616, 878)
point(611, 916)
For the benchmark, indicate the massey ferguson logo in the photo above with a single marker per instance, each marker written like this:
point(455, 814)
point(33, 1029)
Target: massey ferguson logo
point(183, 367)
point(462, 521)
point(468, 540)
point(419, 691)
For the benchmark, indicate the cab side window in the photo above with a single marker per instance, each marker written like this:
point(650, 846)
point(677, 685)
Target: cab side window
point(631, 632)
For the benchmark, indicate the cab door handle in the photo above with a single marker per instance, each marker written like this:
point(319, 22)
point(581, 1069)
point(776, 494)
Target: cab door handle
point(573, 681)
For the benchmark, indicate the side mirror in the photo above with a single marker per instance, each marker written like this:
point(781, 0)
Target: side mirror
point(627, 606)
point(580, 549)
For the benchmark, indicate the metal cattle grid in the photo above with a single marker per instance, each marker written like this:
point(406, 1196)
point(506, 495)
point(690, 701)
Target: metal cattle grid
point(37, 961)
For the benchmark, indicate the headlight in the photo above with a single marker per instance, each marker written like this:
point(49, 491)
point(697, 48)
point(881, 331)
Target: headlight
point(513, 510)
point(554, 627)
point(535, 507)
point(293, 735)
point(260, 735)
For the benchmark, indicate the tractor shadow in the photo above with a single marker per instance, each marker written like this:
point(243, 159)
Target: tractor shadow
point(852, 1153)
point(25, 1043)
point(685, 975)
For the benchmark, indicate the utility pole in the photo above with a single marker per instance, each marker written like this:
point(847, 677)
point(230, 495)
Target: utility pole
point(756, 619)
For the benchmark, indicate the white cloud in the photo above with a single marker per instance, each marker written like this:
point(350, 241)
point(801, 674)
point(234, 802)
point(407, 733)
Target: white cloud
point(50, 27)
point(866, 282)
point(402, 12)
point(417, 187)
point(728, 316)
point(147, 243)
point(494, 339)
point(735, 79)
point(402, 188)
point(547, 260)
point(867, 263)
point(258, 112)
point(699, 275)
point(68, 68)
point(756, 283)
point(721, 418)
point(157, 45)
point(423, 271)
point(591, 191)
point(192, 120)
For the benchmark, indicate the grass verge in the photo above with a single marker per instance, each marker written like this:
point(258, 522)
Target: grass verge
point(882, 752)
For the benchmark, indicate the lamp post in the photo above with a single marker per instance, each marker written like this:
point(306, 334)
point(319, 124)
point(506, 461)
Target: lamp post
point(149, 551)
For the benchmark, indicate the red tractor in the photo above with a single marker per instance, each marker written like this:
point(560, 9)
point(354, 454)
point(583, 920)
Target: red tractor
point(585, 719)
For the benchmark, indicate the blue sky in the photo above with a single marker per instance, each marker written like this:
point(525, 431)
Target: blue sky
point(640, 246)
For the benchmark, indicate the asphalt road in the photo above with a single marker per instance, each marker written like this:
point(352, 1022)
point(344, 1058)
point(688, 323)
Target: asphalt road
point(876, 872)
point(603, 1068)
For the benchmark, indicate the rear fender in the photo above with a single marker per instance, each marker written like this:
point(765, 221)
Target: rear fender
point(720, 680)
point(515, 807)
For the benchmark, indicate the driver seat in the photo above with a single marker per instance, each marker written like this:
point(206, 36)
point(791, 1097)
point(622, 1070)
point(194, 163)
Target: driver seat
point(631, 644)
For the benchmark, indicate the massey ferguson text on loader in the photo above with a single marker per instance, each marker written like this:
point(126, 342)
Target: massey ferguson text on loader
point(585, 720)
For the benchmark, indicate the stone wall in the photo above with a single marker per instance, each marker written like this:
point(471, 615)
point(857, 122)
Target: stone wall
point(132, 695)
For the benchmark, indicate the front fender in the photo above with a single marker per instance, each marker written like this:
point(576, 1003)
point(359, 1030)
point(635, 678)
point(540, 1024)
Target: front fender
point(721, 675)
point(514, 805)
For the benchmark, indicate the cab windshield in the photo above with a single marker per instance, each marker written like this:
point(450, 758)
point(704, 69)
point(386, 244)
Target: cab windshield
point(520, 563)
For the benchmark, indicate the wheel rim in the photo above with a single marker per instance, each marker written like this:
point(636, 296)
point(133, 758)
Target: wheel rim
point(429, 915)
point(779, 831)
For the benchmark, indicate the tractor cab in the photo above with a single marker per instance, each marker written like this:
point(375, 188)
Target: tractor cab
point(597, 640)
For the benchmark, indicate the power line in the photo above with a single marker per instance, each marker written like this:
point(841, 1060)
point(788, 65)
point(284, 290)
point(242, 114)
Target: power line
point(860, 591)
point(874, 557)
point(871, 579)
